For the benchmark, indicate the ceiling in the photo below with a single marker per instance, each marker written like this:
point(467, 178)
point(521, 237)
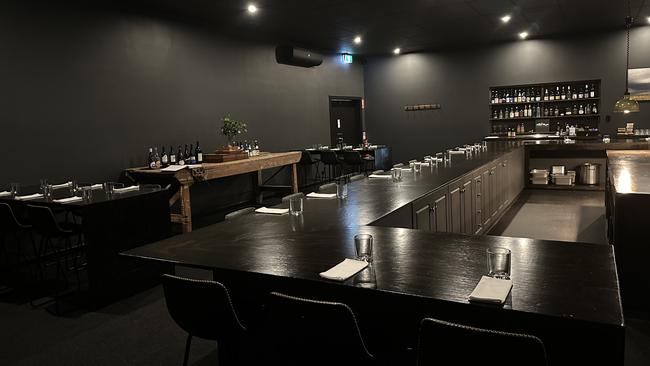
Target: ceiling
point(412, 25)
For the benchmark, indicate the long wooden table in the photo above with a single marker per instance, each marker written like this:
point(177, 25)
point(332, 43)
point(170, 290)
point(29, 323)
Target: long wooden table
point(210, 171)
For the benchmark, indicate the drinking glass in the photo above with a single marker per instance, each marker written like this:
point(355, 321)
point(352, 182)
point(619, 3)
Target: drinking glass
point(73, 187)
point(295, 206)
point(498, 263)
point(417, 167)
point(15, 189)
point(86, 194)
point(43, 183)
point(363, 247)
point(366, 278)
point(341, 190)
point(47, 192)
point(396, 174)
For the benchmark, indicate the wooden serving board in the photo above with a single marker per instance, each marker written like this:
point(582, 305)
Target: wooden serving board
point(220, 158)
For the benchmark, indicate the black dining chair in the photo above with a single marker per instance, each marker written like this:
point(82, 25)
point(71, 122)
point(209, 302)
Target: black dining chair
point(441, 340)
point(205, 310)
point(398, 165)
point(354, 161)
point(300, 331)
point(293, 195)
point(238, 213)
point(357, 177)
point(11, 227)
point(307, 163)
point(332, 162)
point(326, 187)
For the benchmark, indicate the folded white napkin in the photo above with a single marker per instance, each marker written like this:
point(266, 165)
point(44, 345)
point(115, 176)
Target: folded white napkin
point(321, 195)
point(272, 211)
point(5, 194)
point(173, 168)
point(407, 169)
point(29, 197)
point(126, 189)
point(97, 186)
point(380, 176)
point(62, 185)
point(491, 290)
point(69, 200)
point(344, 270)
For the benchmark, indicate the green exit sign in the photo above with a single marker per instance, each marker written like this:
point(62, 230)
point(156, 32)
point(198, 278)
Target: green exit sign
point(346, 58)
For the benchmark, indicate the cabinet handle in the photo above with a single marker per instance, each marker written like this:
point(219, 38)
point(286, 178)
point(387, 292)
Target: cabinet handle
point(478, 195)
point(504, 164)
point(480, 225)
point(478, 181)
point(478, 211)
point(462, 190)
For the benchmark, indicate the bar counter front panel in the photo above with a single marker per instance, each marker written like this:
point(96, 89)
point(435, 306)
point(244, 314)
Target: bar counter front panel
point(418, 273)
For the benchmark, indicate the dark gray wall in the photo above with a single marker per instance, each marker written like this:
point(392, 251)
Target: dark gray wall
point(84, 93)
point(459, 80)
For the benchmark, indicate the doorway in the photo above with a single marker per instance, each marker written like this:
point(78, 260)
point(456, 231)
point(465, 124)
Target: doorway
point(345, 121)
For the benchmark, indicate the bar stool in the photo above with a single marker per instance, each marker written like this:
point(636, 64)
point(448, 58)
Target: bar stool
point(307, 162)
point(56, 243)
point(441, 340)
point(11, 227)
point(204, 309)
point(354, 160)
point(332, 162)
point(300, 331)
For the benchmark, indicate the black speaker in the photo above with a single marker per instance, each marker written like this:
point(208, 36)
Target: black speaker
point(289, 55)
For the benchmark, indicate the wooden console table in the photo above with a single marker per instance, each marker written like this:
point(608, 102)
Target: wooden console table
point(210, 171)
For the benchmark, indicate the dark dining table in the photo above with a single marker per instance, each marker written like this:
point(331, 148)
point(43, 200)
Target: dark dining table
point(110, 225)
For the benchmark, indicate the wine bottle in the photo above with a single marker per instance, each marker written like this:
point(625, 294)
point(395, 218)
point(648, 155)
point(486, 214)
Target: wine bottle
point(156, 158)
point(164, 159)
point(172, 155)
point(150, 160)
point(186, 155)
point(581, 110)
point(191, 159)
point(199, 153)
point(592, 91)
point(180, 156)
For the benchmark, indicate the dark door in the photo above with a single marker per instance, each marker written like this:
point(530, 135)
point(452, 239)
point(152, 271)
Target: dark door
point(345, 121)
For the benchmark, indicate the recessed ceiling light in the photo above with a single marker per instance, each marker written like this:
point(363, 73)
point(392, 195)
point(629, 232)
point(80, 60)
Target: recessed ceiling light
point(506, 18)
point(252, 8)
point(357, 40)
point(397, 51)
point(523, 35)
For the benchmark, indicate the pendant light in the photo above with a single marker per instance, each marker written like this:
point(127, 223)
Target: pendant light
point(625, 104)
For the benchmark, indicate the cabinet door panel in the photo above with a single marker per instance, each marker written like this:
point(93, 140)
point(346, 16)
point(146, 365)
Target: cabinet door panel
point(422, 218)
point(466, 194)
point(455, 209)
point(440, 214)
point(478, 204)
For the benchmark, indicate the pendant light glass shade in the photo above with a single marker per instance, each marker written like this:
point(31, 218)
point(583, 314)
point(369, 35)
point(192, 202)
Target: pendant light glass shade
point(626, 105)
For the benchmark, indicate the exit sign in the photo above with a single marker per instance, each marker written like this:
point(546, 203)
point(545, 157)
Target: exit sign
point(346, 58)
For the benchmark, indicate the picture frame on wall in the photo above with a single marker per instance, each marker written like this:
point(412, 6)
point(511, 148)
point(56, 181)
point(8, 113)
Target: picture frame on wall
point(639, 84)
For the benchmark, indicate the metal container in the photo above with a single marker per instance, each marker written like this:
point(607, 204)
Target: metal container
point(557, 169)
point(589, 173)
point(562, 179)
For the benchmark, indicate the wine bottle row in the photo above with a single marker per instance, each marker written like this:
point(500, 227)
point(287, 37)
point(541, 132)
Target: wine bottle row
point(536, 111)
point(576, 128)
point(180, 156)
point(529, 94)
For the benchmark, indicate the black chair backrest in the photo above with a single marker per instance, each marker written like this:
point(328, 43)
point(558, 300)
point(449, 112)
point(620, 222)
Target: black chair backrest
point(329, 157)
point(43, 221)
point(242, 212)
point(327, 186)
point(306, 158)
point(357, 177)
point(8, 221)
point(293, 195)
point(441, 340)
point(398, 165)
point(309, 332)
point(202, 308)
point(353, 158)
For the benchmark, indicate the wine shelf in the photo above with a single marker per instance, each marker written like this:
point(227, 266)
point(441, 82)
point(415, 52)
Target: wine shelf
point(545, 102)
point(547, 117)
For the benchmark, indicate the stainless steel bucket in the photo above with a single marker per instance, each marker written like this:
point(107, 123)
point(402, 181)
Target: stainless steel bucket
point(589, 174)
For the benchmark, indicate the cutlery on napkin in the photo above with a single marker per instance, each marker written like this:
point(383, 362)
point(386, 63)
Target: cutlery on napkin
point(379, 176)
point(126, 189)
point(344, 270)
point(69, 200)
point(62, 185)
point(321, 195)
point(29, 197)
point(97, 186)
point(5, 194)
point(491, 290)
point(272, 211)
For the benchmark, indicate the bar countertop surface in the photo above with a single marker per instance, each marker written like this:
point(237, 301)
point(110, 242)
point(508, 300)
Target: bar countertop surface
point(629, 171)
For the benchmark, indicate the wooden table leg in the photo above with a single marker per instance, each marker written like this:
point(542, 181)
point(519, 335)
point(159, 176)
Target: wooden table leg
point(186, 208)
point(259, 195)
point(294, 178)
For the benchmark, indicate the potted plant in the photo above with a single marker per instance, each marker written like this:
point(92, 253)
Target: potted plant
point(231, 128)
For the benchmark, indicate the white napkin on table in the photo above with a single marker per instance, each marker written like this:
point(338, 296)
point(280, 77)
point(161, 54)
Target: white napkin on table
point(97, 186)
point(126, 189)
point(491, 290)
point(173, 168)
point(62, 185)
point(69, 200)
point(29, 197)
point(380, 176)
point(5, 194)
point(344, 270)
point(321, 195)
point(272, 211)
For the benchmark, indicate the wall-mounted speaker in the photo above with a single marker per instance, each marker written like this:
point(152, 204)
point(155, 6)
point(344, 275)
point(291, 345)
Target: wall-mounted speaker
point(293, 56)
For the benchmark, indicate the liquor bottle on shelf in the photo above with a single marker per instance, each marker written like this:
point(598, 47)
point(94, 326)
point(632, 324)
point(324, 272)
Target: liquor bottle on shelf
point(574, 95)
point(199, 153)
point(156, 158)
point(581, 110)
point(500, 115)
point(592, 91)
point(545, 111)
point(180, 156)
point(546, 97)
point(581, 93)
point(164, 159)
point(588, 108)
point(172, 155)
point(574, 111)
point(563, 95)
point(151, 162)
point(192, 157)
point(594, 109)
point(538, 95)
point(557, 93)
point(568, 92)
point(538, 111)
point(495, 114)
point(556, 112)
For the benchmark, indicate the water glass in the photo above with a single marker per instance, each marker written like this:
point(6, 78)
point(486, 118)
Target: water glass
point(47, 192)
point(73, 187)
point(366, 278)
point(15, 189)
point(363, 247)
point(417, 167)
point(396, 174)
point(498, 263)
point(86, 194)
point(43, 183)
point(295, 206)
point(341, 189)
